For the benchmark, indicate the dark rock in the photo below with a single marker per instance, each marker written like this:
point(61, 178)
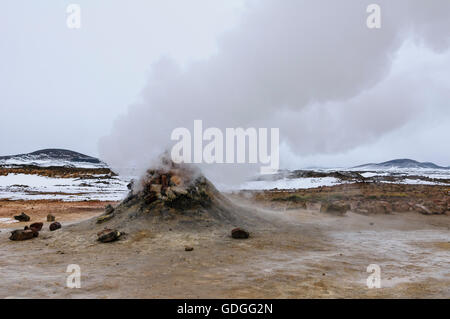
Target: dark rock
point(36, 226)
point(239, 233)
point(188, 248)
point(54, 226)
point(108, 235)
point(50, 218)
point(19, 235)
point(131, 184)
point(22, 217)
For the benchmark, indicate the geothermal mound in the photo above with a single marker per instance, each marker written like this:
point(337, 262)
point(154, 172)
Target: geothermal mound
point(176, 196)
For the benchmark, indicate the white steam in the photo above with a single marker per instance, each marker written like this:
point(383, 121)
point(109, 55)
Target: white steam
point(311, 68)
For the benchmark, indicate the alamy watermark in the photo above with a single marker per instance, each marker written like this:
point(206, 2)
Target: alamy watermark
point(374, 279)
point(374, 19)
point(229, 148)
point(74, 16)
point(74, 279)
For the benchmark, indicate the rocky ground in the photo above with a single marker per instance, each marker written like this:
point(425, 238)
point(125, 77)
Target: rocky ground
point(295, 249)
point(362, 198)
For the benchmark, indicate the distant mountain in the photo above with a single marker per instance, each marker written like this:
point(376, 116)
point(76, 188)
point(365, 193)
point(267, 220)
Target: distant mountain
point(52, 157)
point(401, 163)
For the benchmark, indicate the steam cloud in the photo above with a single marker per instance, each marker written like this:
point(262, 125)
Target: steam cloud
point(311, 68)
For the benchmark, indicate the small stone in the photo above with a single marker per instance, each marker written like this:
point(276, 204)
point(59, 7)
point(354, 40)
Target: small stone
point(156, 188)
point(175, 180)
point(22, 217)
point(104, 218)
point(188, 248)
point(54, 226)
point(239, 233)
point(178, 190)
point(109, 210)
point(50, 218)
point(164, 181)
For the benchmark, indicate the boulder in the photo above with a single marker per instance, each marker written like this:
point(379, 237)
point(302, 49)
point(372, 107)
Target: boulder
point(108, 235)
point(22, 217)
point(54, 226)
point(188, 248)
point(50, 218)
point(19, 235)
point(430, 209)
point(379, 208)
point(400, 207)
point(422, 209)
point(335, 208)
point(239, 233)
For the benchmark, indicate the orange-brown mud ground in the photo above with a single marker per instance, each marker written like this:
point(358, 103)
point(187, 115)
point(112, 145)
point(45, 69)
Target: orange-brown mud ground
point(299, 252)
point(39, 209)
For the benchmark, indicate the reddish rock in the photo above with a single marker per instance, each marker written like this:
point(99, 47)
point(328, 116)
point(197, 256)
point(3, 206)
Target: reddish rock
point(239, 233)
point(175, 180)
point(54, 226)
point(36, 226)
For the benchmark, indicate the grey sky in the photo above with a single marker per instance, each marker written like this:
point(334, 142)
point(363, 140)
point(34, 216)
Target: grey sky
point(63, 87)
point(340, 93)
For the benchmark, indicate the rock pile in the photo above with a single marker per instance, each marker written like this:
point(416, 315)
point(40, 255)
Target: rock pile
point(173, 196)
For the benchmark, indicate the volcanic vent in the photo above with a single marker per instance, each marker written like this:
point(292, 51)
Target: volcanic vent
point(173, 195)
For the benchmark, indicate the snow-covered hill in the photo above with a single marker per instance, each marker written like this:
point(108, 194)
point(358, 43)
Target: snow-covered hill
point(52, 157)
point(399, 164)
point(56, 174)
